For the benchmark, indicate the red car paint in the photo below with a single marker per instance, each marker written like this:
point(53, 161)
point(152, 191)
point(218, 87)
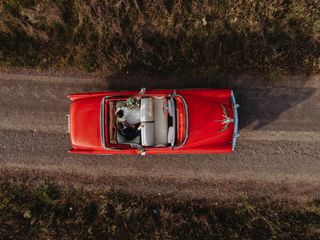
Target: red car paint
point(200, 125)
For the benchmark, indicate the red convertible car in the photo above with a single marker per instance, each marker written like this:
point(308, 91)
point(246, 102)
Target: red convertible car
point(190, 121)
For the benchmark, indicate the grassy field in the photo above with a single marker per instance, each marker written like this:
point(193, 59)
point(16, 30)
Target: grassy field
point(162, 35)
point(48, 211)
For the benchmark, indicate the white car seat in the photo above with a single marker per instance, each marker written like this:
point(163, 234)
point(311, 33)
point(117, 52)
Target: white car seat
point(170, 135)
point(160, 121)
point(147, 134)
point(154, 122)
point(147, 122)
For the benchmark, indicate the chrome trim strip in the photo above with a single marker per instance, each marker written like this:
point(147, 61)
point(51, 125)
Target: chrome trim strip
point(69, 127)
point(236, 121)
point(187, 119)
point(102, 122)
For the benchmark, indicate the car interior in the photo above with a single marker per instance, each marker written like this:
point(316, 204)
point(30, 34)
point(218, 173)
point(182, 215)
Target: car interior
point(156, 121)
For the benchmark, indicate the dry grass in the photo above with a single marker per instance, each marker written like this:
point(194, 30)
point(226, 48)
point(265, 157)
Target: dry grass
point(161, 35)
point(48, 211)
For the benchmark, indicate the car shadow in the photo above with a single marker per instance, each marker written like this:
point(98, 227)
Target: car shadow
point(261, 100)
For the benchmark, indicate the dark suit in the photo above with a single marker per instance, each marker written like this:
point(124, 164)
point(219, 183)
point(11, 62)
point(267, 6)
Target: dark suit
point(129, 133)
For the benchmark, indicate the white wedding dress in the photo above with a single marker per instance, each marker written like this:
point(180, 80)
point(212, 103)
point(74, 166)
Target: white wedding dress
point(132, 116)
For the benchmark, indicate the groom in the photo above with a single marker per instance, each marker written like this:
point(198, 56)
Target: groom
point(129, 131)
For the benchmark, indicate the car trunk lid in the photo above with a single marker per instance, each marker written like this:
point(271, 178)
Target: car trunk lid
point(85, 123)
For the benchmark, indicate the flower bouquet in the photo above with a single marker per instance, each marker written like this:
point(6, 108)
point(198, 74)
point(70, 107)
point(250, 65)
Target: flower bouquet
point(132, 103)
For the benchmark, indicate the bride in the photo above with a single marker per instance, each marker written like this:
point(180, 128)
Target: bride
point(129, 115)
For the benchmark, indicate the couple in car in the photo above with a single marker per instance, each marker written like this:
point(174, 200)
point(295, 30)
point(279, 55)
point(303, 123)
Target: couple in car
point(128, 130)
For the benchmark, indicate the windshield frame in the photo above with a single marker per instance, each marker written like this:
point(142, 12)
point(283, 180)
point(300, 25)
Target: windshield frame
point(185, 105)
point(102, 122)
point(174, 119)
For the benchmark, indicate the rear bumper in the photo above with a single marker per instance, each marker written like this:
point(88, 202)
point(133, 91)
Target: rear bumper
point(236, 121)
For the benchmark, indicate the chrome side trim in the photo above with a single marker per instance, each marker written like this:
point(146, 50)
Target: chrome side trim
point(69, 127)
point(187, 119)
point(102, 122)
point(236, 121)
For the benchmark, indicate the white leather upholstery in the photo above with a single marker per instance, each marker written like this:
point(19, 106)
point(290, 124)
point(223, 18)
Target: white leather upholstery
point(160, 122)
point(154, 122)
point(147, 110)
point(147, 134)
point(147, 125)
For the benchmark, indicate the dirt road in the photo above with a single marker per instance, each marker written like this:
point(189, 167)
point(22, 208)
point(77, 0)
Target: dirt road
point(279, 136)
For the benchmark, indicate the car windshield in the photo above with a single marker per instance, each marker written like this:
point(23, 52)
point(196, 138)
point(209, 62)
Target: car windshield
point(180, 120)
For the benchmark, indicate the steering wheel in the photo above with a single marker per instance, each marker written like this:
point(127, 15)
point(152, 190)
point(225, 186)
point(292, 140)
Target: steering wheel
point(165, 107)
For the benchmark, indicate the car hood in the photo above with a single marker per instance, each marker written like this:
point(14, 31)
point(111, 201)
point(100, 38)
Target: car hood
point(206, 116)
point(85, 123)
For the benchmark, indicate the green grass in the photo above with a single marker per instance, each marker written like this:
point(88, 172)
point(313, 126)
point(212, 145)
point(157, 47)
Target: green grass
point(49, 211)
point(162, 35)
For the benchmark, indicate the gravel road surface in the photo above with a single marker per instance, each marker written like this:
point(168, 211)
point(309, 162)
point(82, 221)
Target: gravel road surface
point(279, 136)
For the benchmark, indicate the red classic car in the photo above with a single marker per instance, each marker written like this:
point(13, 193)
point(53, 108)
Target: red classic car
point(190, 121)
